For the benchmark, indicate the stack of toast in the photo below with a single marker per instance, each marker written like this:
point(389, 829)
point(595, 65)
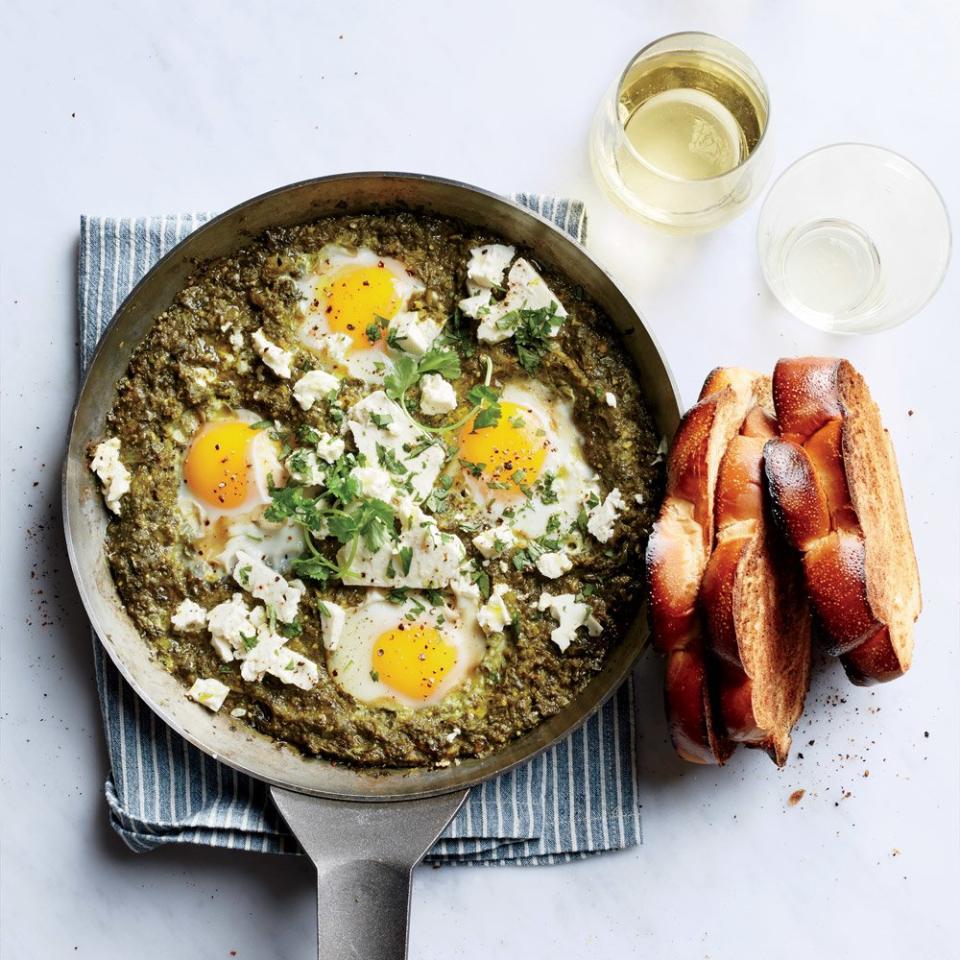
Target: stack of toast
point(783, 518)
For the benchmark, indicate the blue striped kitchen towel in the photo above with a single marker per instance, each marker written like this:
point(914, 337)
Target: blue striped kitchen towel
point(577, 799)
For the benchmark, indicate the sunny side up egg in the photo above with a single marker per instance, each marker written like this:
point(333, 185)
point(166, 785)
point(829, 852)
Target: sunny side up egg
point(530, 465)
point(227, 469)
point(346, 296)
point(406, 655)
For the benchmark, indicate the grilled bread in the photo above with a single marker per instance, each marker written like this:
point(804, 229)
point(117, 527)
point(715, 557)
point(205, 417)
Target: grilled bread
point(754, 603)
point(835, 492)
point(677, 555)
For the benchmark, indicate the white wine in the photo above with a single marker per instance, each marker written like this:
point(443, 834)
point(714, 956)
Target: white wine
point(680, 140)
point(689, 115)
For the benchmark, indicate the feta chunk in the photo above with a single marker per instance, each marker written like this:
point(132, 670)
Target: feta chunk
point(570, 615)
point(422, 557)
point(638, 498)
point(209, 692)
point(375, 482)
point(332, 619)
point(494, 616)
point(603, 516)
point(554, 564)
point(398, 436)
point(267, 585)
point(330, 449)
point(526, 290)
point(269, 655)
point(610, 399)
point(437, 395)
point(188, 617)
point(276, 358)
point(236, 340)
point(229, 624)
point(314, 385)
point(494, 541)
point(487, 265)
point(411, 333)
point(476, 305)
point(113, 475)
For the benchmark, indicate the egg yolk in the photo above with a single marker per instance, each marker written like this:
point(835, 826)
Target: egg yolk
point(412, 659)
point(355, 298)
point(217, 464)
point(513, 449)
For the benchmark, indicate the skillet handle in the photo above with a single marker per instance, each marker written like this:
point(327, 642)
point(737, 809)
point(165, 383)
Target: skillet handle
point(364, 854)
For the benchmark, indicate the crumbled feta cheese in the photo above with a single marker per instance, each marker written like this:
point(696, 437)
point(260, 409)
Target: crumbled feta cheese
point(374, 482)
point(570, 614)
point(476, 305)
point(526, 290)
point(267, 585)
point(238, 712)
point(397, 436)
point(330, 448)
point(423, 556)
point(638, 497)
point(188, 617)
point(453, 734)
point(303, 465)
point(493, 541)
point(238, 633)
point(314, 385)
point(210, 692)
point(236, 340)
point(229, 623)
point(610, 399)
point(487, 265)
point(602, 517)
point(114, 476)
point(554, 564)
point(332, 619)
point(411, 333)
point(269, 654)
point(465, 589)
point(436, 395)
point(276, 358)
point(494, 616)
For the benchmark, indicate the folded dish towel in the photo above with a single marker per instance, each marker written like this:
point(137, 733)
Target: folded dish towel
point(577, 799)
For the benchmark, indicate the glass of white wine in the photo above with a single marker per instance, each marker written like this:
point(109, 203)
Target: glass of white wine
point(854, 238)
point(681, 140)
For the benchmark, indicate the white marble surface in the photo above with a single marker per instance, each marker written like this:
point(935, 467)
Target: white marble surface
point(118, 108)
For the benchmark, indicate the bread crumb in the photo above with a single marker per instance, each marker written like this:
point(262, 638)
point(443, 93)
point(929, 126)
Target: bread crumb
point(796, 797)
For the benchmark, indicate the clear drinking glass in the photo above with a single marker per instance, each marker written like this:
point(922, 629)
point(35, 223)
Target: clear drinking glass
point(681, 139)
point(853, 238)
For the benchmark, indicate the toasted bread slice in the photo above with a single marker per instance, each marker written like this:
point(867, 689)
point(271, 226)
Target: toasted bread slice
point(754, 604)
point(835, 491)
point(677, 555)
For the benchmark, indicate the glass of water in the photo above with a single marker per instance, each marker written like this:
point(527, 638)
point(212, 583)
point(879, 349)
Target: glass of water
point(681, 139)
point(854, 238)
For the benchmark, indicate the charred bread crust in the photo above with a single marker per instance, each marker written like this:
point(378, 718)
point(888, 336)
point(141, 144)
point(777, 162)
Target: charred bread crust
point(677, 553)
point(836, 494)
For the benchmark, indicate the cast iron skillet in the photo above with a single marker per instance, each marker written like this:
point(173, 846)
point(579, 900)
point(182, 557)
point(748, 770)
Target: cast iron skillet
point(364, 830)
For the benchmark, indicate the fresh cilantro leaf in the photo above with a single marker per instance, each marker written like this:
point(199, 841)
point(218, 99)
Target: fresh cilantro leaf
point(482, 580)
point(533, 331)
point(307, 435)
point(315, 568)
point(444, 362)
point(249, 642)
point(262, 425)
point(388, 460)
point(381, 420)
point(403, 376)
point(406, 558)
point(293, 629)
